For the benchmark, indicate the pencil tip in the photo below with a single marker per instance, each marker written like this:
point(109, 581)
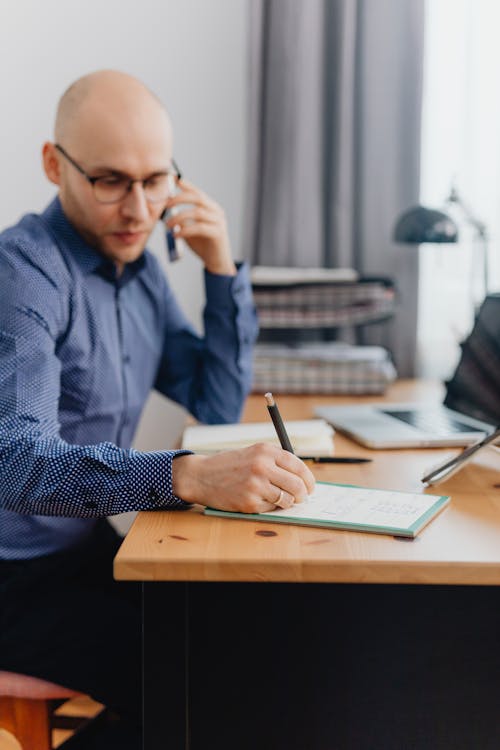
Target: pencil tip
point(269, 398)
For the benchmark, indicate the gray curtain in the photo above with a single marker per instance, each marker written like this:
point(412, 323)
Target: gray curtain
point(334, 142)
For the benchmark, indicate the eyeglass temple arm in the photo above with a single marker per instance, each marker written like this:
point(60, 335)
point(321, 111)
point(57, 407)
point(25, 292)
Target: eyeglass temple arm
point(176, 167)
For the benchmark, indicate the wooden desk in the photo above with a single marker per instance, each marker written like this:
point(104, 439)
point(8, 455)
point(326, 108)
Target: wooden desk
point(259, 647)
point(462, 546)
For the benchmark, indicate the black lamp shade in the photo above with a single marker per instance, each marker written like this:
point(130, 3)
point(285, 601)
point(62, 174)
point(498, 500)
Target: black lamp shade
point(420, 224)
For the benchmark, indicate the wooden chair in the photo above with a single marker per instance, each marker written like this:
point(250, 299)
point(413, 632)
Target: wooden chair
point(8, 741)
point(26, 707)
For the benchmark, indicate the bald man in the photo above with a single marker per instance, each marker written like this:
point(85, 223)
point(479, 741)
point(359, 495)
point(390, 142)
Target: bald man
point(88, 326)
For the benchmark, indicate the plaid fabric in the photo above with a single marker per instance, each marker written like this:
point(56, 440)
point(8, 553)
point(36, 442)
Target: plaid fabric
point(322, 305)
point(327, 368)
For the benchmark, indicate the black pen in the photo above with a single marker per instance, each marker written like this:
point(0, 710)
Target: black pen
point(273, 410)
point(336, 459)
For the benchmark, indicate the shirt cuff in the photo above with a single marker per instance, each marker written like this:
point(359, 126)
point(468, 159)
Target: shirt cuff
point(228, 291)
point(151, 480)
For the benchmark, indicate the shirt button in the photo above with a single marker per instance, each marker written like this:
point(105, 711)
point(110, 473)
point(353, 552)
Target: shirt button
point(90, 504)
point(153, 496)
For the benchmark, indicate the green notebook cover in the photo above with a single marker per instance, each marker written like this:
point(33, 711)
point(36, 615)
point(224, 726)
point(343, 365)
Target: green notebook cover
point(341, 506)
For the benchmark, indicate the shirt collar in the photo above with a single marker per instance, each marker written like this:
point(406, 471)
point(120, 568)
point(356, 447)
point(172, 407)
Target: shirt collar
point(87, 257)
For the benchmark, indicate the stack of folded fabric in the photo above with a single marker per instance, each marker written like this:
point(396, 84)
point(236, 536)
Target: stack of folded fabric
point(474, 388)
point(319, 297)
point(328, 367)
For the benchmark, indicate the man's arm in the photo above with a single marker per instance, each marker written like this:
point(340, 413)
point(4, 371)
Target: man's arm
point(44, 475)
point(210, 377)
point(41, 473)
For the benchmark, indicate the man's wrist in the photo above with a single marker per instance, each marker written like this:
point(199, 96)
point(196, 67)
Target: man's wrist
point(184, 482)
point(225, 268)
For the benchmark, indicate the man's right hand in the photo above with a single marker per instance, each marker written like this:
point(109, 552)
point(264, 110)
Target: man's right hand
point(250, 480)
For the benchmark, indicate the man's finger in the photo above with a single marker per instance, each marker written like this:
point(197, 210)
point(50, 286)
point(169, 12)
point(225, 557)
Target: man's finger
point(198, 229)
point(193, 214)
point(292, 463)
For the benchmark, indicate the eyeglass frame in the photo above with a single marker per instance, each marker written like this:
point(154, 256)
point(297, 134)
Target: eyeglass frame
point(92, 180)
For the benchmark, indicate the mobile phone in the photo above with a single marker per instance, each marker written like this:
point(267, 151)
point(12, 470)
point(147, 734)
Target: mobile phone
point(173, 250)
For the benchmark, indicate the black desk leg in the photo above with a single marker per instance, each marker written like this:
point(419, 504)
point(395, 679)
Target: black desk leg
point(165, 643)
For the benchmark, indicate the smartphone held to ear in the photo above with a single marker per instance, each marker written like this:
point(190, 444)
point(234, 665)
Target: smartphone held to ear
point(173, 249)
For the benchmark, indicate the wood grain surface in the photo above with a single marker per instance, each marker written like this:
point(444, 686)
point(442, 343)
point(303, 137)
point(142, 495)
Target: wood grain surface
point(460, 546)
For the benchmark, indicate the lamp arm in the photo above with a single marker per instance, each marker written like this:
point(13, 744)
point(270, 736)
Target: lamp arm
point(481, 229)
point(476, 223)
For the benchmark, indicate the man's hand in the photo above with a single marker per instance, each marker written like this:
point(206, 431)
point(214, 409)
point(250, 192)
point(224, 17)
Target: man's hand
point(202, 224)
point(251, 480)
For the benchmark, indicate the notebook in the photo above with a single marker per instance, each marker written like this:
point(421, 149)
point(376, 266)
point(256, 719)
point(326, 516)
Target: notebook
point(311, 437)
point(340, 506)
point(413, 425)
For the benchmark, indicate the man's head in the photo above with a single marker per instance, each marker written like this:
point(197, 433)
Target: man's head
point(109, 123)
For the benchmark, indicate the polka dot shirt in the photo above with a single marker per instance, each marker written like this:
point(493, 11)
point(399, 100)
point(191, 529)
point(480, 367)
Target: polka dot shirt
point(80, 350)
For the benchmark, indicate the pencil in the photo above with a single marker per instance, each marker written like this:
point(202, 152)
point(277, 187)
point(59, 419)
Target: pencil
point(273, 410)
point(336, 459)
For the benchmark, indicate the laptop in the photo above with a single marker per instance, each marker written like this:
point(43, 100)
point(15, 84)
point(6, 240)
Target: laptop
point(404, 425)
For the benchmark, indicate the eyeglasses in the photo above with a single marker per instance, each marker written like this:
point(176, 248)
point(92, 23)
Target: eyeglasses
point(113, 187)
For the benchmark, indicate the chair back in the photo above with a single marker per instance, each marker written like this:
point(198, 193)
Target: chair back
point(474, 388)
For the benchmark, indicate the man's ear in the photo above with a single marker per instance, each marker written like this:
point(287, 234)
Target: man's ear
point(51, 163)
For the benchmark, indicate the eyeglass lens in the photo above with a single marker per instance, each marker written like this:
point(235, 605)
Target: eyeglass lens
point(112, 189)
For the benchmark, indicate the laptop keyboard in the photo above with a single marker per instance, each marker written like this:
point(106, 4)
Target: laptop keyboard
point(437, 422)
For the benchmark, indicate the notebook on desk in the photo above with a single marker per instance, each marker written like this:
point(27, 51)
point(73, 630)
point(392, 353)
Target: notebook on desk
point(308, 436)
point(413, 425)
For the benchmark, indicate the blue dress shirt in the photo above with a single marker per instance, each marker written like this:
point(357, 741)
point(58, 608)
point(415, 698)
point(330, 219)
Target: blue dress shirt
point(80, 350)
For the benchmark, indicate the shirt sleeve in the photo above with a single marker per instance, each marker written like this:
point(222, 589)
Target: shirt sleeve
point(211, 376)
point(41, 473)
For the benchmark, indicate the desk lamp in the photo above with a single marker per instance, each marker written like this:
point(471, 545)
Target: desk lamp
point(419, 224)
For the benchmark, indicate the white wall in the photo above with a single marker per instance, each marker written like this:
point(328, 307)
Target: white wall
point(191, 53)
